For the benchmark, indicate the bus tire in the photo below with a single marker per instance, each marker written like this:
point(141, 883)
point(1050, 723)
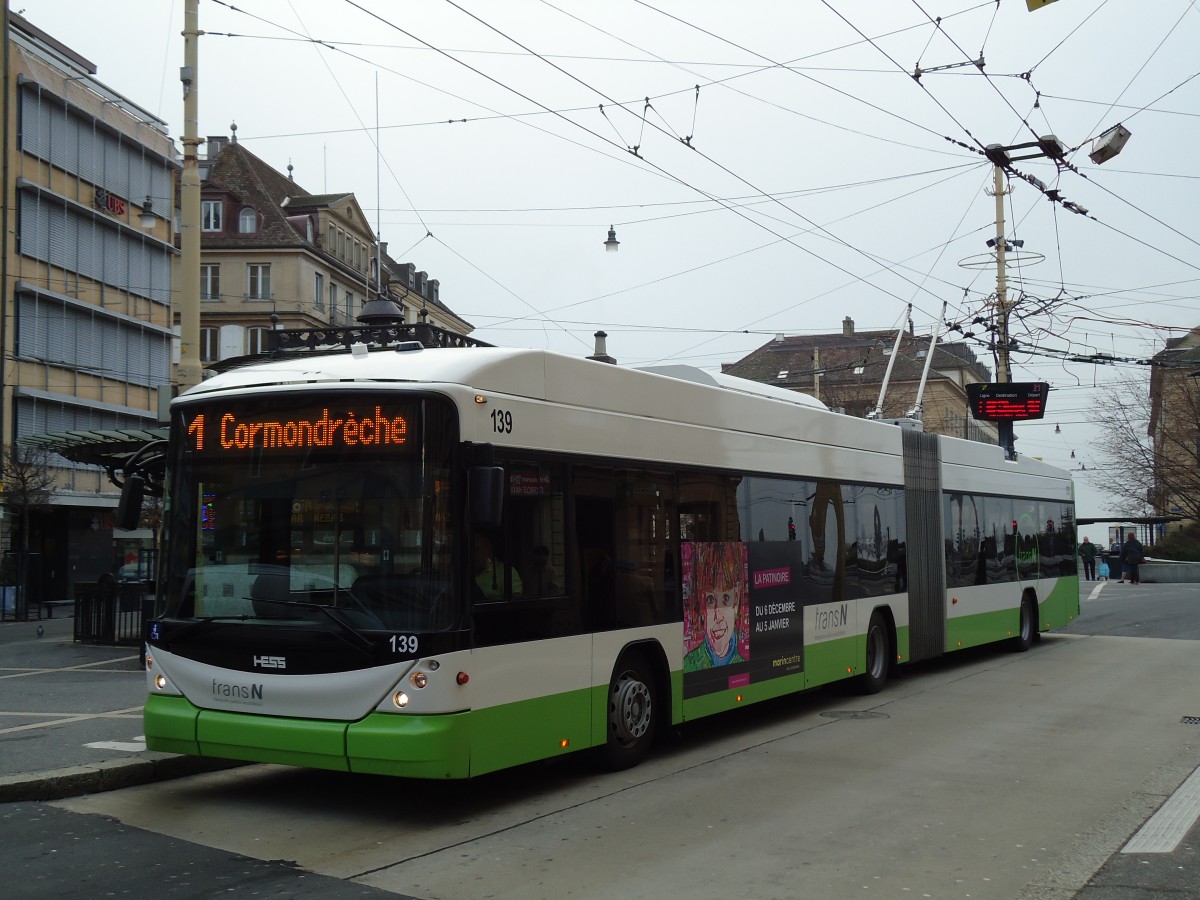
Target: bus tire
point(632, 714)
point(1027, 629)
point(879, 656)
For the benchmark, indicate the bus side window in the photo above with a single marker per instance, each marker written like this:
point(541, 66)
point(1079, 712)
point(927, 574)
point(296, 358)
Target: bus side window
point(523, 594)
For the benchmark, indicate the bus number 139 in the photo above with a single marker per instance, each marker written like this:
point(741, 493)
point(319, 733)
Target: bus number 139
point(404, 643)
point(502, 421)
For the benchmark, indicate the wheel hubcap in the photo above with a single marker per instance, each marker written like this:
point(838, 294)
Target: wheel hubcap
point(630, 709)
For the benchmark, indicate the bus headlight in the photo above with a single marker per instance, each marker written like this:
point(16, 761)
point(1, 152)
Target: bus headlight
point(160, 681)
point(400, 699)
point(419, 680)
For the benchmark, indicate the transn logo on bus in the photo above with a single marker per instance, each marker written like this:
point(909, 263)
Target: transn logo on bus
point(270, 662)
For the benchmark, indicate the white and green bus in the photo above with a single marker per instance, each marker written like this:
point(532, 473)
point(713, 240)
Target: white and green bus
point(437, 562)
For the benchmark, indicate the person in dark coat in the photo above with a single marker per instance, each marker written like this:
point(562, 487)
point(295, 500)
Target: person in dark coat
point(1131, 558)
point(1087, 553)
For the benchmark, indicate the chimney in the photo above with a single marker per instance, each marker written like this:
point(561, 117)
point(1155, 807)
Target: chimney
point(601, 354)
point(215, 144)
point(847, 327)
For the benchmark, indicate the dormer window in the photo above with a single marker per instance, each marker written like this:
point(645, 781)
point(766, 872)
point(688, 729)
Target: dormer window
point(210, 215)
point(247, 221)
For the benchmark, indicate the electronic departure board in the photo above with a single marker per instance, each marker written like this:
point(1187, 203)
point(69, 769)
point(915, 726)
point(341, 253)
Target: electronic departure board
point(1009, 402)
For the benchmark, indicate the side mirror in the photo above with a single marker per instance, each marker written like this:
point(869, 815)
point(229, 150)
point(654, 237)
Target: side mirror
point(485, 496)
point(129, 509)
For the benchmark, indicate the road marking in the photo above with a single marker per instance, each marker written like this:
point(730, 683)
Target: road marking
point(1096, 590)
point(24, 673)
point(137, 745)
point(113, 714)
point(1166, 828)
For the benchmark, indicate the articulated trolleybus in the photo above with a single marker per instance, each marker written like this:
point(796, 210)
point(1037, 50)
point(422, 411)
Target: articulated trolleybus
point(440, 561)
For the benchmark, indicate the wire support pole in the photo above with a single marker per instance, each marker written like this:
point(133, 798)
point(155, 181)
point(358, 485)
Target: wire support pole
point(1005, 434)
point(189, 372)
point(1003, 366)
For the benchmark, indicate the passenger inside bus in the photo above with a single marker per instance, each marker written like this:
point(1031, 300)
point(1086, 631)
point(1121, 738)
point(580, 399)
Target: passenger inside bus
point(492, 573)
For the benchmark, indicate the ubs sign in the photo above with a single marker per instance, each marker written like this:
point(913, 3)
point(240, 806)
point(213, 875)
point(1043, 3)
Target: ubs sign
point(110, 203)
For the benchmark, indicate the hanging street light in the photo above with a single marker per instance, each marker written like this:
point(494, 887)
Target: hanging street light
point(612, 243)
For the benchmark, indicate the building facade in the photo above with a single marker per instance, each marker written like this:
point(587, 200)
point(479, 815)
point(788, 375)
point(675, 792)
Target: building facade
point(1174, 427)
point(274, 255)
point(844, 371)
point(86, 332)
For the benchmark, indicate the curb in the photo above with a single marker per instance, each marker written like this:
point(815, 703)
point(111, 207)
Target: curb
point(110, 775)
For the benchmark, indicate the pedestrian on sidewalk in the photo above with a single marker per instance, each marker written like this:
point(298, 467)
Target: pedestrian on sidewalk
point(1131, 558)
point(1087, 553)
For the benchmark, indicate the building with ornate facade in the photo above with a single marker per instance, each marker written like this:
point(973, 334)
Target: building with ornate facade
point(274, 255)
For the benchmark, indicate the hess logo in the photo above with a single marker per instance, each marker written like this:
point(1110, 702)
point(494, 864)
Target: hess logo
point(270, 662)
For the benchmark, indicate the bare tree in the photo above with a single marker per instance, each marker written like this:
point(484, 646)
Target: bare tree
point(27, 484)
point(1151, 455)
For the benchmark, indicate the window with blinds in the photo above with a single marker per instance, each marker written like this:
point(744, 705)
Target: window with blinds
point(85, 147)
point(91, 341)
point(54, 233)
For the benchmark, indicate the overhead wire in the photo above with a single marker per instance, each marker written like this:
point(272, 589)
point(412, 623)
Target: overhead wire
point(1189, 4)
point(650, 163)
point(1057, 236)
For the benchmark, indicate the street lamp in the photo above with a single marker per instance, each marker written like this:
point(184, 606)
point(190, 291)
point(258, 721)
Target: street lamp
point(612, 243)
point(147, 218)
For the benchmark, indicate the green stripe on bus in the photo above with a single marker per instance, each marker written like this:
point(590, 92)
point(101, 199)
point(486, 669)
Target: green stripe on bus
point(292, 742)
point(170, 725)
point(531, 729)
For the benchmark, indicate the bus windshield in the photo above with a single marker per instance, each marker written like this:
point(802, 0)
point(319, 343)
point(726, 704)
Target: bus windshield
point(331, 507)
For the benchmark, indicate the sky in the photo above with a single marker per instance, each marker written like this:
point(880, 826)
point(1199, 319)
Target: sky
point(768, 166)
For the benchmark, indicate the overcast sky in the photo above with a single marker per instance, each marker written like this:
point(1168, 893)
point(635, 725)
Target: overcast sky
point(768, 166)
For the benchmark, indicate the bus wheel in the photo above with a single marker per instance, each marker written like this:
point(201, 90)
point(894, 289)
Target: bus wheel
point(1028, 627)
point(631, 712)
point(879, 657)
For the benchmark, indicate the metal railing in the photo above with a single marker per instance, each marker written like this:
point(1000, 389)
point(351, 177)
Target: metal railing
point(112, 613)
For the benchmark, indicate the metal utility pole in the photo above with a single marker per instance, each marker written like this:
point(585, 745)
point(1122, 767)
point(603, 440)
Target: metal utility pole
point(1003, 372)
point(188, 372)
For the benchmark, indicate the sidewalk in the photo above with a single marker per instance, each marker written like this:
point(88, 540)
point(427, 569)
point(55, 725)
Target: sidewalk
point(71, 716)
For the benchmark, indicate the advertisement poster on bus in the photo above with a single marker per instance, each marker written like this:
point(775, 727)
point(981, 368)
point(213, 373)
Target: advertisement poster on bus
point(743, 617)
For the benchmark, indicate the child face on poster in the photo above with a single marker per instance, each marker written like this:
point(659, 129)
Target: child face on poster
point(722, 605)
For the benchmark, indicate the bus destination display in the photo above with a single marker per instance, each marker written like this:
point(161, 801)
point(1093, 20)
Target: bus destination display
point(216, 431)
point(1010, 402)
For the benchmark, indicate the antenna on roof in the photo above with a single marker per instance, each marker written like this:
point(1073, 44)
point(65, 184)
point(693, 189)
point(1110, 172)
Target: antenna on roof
point(877, 412)
point(918, 405)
